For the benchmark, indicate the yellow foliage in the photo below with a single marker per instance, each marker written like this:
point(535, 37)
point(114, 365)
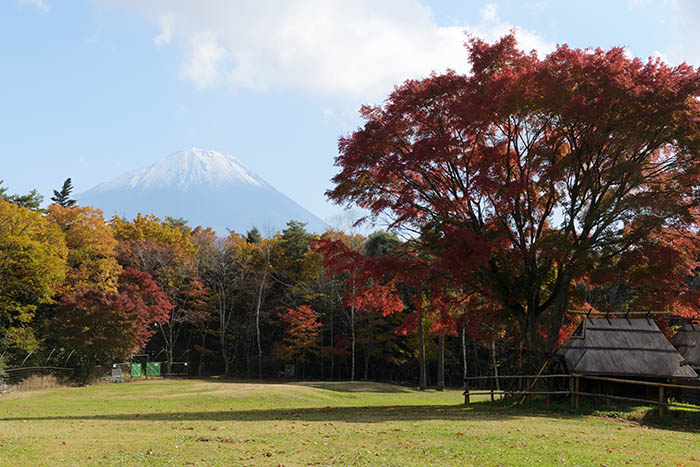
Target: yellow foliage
point(90, 241)
point(151, 228)
point(32, 264)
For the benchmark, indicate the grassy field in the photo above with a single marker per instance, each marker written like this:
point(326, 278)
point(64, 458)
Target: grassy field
point(209, 422)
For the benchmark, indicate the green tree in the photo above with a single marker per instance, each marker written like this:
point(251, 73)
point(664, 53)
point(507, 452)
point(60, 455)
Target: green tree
point(31, 200)
point(253, 235)
point(62, 198)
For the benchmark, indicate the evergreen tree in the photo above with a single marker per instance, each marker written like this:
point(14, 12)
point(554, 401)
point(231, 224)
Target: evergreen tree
point(253, 235)
point(62, 198)
point(178, 223)
point(31, 200)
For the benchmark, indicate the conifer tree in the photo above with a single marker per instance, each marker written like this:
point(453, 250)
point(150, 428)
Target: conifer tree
point(62, 198)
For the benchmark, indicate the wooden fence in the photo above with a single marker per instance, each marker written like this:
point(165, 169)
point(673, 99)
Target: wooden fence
point(526, 385)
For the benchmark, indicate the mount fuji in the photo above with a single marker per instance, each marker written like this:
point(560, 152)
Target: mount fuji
point(204, 187)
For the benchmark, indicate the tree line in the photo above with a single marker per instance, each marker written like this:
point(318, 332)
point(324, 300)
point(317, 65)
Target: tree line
point(525, 191)
point(98, 291)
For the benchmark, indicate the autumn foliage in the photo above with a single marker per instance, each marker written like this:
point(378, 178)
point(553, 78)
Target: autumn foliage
point(533, 174)
point(301, 334)
point(104, 325)
point(530, 188)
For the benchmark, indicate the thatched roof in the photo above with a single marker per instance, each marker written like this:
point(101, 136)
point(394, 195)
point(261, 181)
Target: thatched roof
point(687, 337)
point(623, 347)
point(687, 341)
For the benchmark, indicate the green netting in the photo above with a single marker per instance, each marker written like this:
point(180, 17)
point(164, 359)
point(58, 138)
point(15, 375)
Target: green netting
point(136, 370)
point(152, 369)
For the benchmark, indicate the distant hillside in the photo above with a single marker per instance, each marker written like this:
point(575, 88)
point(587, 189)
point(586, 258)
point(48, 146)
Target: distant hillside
point(204, 187)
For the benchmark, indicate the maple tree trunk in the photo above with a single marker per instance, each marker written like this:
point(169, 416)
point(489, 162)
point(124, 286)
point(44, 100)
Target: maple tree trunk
point(464, 354)
point(421, 356)
point(352, 329)
point(168, 340)
point(476, 358)
point(331, 346)
point(200, 370)
point(495, 365)
point(169, 351)
point(257, 324)
point(368, 348)
point(224, 352)
point(441, 362)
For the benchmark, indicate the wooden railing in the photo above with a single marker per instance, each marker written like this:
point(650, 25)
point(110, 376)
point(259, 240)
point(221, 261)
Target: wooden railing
point(527, 382)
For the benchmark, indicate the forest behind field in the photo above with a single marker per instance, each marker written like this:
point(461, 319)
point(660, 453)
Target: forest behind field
point(86, 292)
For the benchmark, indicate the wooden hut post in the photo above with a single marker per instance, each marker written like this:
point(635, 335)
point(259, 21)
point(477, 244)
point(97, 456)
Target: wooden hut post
point(662, 401)
point(577, 385)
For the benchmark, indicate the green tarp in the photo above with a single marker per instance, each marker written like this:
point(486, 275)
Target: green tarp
point(136, 370)
point(152, 369)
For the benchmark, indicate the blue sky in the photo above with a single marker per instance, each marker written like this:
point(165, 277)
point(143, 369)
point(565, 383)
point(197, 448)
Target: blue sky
point(92, 88)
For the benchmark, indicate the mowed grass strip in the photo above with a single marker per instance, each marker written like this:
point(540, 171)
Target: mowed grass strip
point(210, 422)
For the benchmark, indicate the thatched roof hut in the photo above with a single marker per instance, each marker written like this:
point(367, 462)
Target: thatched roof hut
point(632, 348)
point(687, 340)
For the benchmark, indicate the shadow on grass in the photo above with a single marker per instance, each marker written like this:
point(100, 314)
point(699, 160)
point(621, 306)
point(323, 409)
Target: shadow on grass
point(675, 419)
point(363, 414)
point(357, 386)
point(499, 410)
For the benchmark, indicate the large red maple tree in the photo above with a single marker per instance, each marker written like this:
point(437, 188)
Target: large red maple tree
point(529, 174)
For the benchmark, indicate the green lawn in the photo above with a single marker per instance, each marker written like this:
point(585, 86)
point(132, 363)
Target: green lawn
point(210, 422)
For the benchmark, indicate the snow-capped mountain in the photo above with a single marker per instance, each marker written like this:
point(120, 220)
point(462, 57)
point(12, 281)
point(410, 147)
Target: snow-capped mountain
point(204, 187)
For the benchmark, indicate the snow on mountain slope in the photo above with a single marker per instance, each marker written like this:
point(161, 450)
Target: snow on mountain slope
point(205, 187)
point(186, 168)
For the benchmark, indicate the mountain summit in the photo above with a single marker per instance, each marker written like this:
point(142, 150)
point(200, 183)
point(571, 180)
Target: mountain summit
point(204, 187)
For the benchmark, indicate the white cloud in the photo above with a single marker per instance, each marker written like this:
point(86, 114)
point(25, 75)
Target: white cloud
point(353, 48)
point(490, 12)
point(166, 30)
point(660, 56)
point(204, 64)
point(684, 27)
point(40, 4)
point(628, 53)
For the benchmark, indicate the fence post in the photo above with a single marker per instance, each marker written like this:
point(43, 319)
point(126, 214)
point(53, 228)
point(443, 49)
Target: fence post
point(528, 387)
point(571, 390)
point(661, 401)
point(491, 381)
point(576, 392)
point(466, 392)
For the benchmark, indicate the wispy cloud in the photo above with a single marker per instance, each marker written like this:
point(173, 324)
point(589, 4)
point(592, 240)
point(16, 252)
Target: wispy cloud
point(353, 48)
point(167, 23)
point(40, 4)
